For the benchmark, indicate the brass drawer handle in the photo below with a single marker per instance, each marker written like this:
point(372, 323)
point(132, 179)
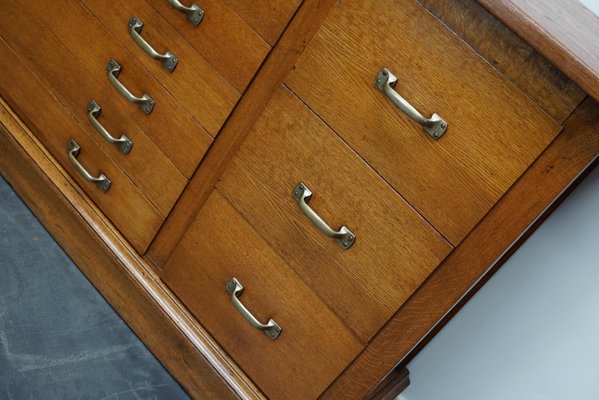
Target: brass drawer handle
point(101, 181)
point(169, 60)
point(271, 329)
point(194, 13)
point(93, 112)
point(435, 126)
point(343, 236)
point(145, 101)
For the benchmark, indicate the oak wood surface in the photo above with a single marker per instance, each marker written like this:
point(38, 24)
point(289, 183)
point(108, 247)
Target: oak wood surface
point(528, 198)
point(510, 55)
point(150, 170)
point(266, 17)
point(123, 203)
point(275, 68)
point(395, 249)
point(178, 136)
point(494, 131)
point(564, 31)
point(314, 345)
point(223, 38)
point(198, 86)
point(114, 268)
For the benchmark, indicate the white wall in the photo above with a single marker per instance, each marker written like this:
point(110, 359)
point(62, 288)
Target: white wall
point(532, 332)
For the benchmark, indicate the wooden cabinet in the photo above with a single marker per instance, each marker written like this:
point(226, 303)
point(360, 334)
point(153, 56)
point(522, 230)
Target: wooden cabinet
point(277, 152)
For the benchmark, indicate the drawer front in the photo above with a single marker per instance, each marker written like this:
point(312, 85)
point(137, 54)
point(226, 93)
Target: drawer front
point(73, 86)
point(267, 17)
point(313, 347)
point(176, 134)
point(394, 250)
point(196, 84)
point(493, 132)
point(223, 38)
point(123, 203)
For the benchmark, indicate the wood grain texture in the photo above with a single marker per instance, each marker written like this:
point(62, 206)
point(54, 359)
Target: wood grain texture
point(392, 386)
point(314, 346)
point(160, 180)
point(510, 55)
point(395, 249)
point(276, 67)
point(564, 31)
point(115, 269)
point(223, 38)
point(196, 84)
point(494, 131)
point(174, 131)
point(535, 190)
point(123, 204)
point(268, 18)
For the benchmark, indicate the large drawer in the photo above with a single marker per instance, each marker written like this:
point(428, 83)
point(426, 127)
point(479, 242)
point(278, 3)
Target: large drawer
point(151, 171)
point(493, 131)
point(223, 38)
point(123, 203)
point(313, 346)
point(181, 138)
point(198, 86)
point(395, 249)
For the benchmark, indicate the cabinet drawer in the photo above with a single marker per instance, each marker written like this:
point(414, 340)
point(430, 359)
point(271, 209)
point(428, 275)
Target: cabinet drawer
point(176, 134)
point(493, 134)
point(313, 346)
point(394, 250)
point(123, 203)
point(223, 38)
point(198, 86)
point(73, 86)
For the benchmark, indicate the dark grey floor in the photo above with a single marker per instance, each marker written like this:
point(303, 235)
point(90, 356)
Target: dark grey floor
point(59, 339)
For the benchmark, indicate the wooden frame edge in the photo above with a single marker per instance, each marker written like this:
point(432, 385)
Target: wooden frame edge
point(114, 268)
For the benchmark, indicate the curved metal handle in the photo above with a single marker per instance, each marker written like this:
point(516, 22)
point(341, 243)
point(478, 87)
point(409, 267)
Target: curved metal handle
point(93, 112)
point(145, 101)
point(101, 181)
point(435, 126)
point(194, 13)
point(271, 329)
point(343, 236)
point(169, 60)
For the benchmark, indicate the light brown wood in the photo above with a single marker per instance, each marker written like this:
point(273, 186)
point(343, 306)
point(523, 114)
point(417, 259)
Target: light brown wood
point(159, 180)
point(173, 130)
point(564, 31)
point(276, 67)
point(223, 38)
point(510, 55)
point(527, 199)
point(200, 89)
point(114, 268)
point(123, 204)
point(266, 17)
point(494, 131)
point(314, 345)
point(395, 249)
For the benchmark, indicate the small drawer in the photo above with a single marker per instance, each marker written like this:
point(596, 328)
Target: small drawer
point(224, 39)
point(267, 17)
point(394, 248)
point(180, 137)
point(184, 73)
point(493, 132)
point(313, 346)
point(73, 86)
point(123, 203)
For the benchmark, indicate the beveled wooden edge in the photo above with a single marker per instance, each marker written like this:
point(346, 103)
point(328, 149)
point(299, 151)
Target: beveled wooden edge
point(557, 166)
point(279, 62)
point(548, 27)
point(392, 386)
point(113, 266)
